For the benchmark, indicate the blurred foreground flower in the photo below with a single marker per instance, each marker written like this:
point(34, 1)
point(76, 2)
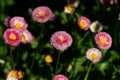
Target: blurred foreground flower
point(27, 37)
point(42, 14)
point(103, 40)
point(61, 40)
point(60, 77)
point(96, 26)
point(48, 58)
point(18, 23)
point(84, 23)
point(93, 54)
point(12, 37)
point(109, 2)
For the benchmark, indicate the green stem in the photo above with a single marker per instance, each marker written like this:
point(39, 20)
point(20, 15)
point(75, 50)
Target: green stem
point(88, 71)
point(58, 59)
point(12, 61)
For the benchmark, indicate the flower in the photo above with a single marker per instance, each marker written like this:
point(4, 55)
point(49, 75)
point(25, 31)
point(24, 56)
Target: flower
point(60, 77)
point(103, 40)
point(12, 74)
point(48, 58)
point(18, 23)
point(69, 9)
point(12, 37)
point(20, 74)
point(109, 2)
point(27, 37)
point(93, 54)
point(42, 14)
point(7, 21)
point(61, 40)
point(84, 23)
point(96, 26)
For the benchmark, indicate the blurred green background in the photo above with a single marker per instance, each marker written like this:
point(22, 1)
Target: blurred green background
point(29, 58)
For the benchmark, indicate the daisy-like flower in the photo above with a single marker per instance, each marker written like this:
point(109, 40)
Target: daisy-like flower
point(103, 40)
point(7, 21)
point(12, 37)
point(27, 37)
point(42, 14)
point(61, 40)
point(12, 74)
point(60, 77)
point(48, 58)
point(18, 23)
point(93, 54)
point(84, 23)
point(69, 9)
point(96, 26)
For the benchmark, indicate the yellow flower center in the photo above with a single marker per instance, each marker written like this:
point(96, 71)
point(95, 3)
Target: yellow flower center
point(18, 25)
point(48, 59)
point(69, 8)
point(12, 74)
point(42, 14)
point(23, 37)
point(61, 38)
point(83, 24)
point(20, 74)
point(102, 40)
point(93, 55)
point(94, 26)
point(12, 36)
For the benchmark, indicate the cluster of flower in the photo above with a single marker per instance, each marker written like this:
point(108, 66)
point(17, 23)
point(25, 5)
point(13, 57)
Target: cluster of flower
point(16, 31)
point(60, 40)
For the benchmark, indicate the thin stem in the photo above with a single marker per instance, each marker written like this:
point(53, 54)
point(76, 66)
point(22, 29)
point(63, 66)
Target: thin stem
point(58, 59)
point(88, 71)
point(12, 61)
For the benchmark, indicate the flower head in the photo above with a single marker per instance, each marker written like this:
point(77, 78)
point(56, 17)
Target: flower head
point(69, 9)
point(61, 40)
point(103, 40)
point(93, 54)
point(7, 21)
point(48, 58)
point(42, 14)
point(18, 23)
point(27, 37)
point(60, 77)
point(84, 23)
point(12, 37)
point(96, 26)
point(12, 74)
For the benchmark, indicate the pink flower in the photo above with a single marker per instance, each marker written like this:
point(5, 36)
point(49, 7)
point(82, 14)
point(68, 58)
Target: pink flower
point(42, 14)
point(12, 37)
point(61, 40)
point(60, 77)
point(18, 23)
point(84, 23)
point(7, 21)
point(103, 40)
point(93, 54)
point(109, 2)
point(27, 37)
point(12, 74)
